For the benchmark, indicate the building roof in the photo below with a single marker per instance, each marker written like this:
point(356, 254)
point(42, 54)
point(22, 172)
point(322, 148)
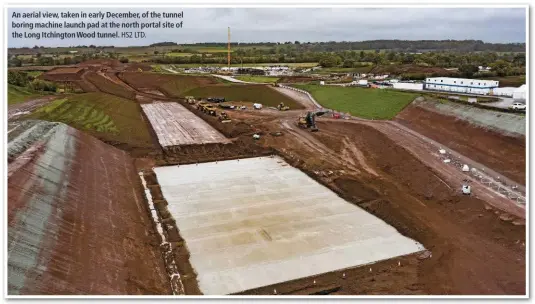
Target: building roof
point(462, 79)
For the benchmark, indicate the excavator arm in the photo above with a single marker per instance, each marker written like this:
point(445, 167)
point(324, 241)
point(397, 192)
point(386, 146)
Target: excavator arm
point(310, 119)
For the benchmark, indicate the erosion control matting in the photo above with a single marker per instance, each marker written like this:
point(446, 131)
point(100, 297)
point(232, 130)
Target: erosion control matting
point(77, 223)
point(254, 222)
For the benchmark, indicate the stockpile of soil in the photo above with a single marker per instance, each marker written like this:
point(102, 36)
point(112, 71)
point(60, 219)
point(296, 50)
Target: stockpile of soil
point(78, 223)
point(108, 86)
point(63, 74)
point(170, 85)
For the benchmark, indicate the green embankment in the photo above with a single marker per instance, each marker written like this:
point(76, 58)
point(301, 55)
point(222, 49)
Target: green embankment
point(105, 116)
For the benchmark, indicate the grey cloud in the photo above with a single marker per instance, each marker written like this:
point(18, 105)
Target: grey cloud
point(315, 24)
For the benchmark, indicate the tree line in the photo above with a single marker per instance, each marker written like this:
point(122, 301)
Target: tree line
point(22, 79)
point(395, 45)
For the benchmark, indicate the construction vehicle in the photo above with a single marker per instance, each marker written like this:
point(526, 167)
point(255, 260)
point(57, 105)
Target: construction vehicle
point(282, 107)
point(223, 117)
point(216, 99)
point(207, 108)
point(309, 120)
point(190, 99)
point(227, 106)
point(466, 188)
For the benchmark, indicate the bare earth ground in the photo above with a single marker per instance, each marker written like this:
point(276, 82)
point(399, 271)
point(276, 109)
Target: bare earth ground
point(504, 154)
point(369, 169)
point(476, 243)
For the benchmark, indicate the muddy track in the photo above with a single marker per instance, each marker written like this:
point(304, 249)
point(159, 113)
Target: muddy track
point(417, 144)
point(29, 106)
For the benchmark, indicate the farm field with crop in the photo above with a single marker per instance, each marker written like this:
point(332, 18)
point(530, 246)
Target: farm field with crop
point(361, 102)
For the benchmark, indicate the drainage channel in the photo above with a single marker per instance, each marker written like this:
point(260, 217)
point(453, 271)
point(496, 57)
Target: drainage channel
point(165, 246)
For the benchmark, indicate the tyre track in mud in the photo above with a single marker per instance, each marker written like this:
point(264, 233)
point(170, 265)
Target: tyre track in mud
point(425, 149)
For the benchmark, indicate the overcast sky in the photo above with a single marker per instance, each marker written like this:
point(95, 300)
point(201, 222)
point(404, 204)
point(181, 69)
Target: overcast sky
point(308, 24)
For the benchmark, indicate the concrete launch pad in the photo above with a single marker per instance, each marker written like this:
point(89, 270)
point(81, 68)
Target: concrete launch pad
point(254, 222)
point(175, 125)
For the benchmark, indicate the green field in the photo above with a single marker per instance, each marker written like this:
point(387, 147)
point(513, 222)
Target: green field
point(247, 93)
point(265, 79)
point(207, 49)
point(17, 94)
point(34, 73)
point(361, 102)
point(178, 54)
point(107, 117)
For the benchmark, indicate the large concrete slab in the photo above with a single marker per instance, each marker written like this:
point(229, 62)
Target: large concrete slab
point(175, 125)
point(254, 222)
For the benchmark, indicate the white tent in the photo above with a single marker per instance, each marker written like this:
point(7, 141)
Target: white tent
point(505, 91)
point(520, 93)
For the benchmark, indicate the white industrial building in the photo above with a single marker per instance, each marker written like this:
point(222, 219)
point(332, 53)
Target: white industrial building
point(461, 85)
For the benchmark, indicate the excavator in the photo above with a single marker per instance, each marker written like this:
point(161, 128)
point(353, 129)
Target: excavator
point(309, 120)
point(207, 108)
point(282, 107)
